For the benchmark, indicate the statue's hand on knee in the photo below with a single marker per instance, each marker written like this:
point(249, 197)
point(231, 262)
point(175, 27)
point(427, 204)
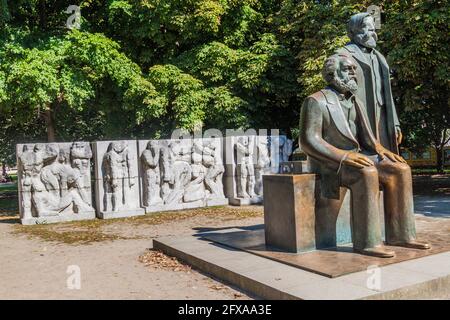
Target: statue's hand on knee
point(357, 160)
point(385, 153)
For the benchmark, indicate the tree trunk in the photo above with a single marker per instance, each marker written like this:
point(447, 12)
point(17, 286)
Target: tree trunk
point(440, 159)
point(42, 15)
point(50, 123)
point(3, 175)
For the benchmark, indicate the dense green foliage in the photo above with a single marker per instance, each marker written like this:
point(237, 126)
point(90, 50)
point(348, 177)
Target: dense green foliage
point(418, 38)
point(141, 68)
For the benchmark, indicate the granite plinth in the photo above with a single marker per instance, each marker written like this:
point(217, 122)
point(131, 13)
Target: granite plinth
point(421, 277)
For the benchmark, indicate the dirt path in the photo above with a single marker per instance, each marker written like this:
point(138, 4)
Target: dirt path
point(32, 268)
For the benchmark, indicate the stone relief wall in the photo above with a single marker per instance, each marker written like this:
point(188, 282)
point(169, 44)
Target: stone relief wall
point(181, 174)
point(116, 179)
point(284, 146)
point(138, 177)
point(54, 182)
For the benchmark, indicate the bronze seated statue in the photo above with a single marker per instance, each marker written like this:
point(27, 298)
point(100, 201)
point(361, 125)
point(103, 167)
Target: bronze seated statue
point(336, 136)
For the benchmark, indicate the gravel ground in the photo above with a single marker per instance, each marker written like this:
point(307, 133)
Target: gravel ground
point(33, 268)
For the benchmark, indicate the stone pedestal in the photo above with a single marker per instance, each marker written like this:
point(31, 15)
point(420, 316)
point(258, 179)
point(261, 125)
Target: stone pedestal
point(289, 217)
point(298, 219)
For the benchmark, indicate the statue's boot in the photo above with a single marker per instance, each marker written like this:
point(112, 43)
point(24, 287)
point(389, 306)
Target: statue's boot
point(413, 244)
point(379, 252)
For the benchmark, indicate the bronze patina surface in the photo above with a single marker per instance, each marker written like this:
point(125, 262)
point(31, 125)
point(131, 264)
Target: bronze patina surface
point(336, 136)
point(335, 262)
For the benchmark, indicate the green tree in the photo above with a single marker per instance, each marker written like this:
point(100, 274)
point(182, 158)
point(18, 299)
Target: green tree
point(229, 62)
point(413, 37)
point(48, 74)
point(416, 35)
point(144, 68)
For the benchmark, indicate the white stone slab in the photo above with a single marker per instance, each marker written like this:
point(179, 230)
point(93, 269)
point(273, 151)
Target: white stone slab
point(247, 159)
point(116, 179)
point(54, 182)
point(179, 174)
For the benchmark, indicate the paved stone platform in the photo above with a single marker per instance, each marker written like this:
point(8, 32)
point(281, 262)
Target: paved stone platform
point(424, 277)
point(332, 262)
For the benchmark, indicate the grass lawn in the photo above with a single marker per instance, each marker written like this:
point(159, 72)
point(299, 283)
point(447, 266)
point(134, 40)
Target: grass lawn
point(8, 187)
point(428, 171)
point(8, 197)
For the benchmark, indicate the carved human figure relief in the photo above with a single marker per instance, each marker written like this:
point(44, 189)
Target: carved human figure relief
point(177, 171)
point(30, 164)
point(244, 167)
point(50, 186)
point(262, 165)
point(80, 157)
point(195, 190)
point(166, 164)
point(151, 174)
point(187, 174)
point(285, 145)
point(119, 175)
point(215, 169)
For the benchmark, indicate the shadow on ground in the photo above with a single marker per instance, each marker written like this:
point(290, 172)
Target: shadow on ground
point(432, 195)
point(432, 206)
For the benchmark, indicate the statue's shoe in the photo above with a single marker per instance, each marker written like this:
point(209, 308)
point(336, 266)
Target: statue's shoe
point(379, 252)
point(413, 244)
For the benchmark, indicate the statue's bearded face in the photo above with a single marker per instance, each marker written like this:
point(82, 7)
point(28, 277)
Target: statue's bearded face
point(367, 36)
point(345, 76)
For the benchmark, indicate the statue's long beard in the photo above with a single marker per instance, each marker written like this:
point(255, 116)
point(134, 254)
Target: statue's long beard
point(368, 40)
point(345, 86)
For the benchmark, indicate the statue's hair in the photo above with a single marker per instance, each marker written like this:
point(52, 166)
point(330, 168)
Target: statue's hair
point(331, 65)
point(355, 22)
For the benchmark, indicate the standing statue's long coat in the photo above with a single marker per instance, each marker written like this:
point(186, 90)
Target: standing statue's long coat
point(366, 92)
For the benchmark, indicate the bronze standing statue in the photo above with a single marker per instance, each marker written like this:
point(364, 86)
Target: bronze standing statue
point(374, 87)
point(336, 136)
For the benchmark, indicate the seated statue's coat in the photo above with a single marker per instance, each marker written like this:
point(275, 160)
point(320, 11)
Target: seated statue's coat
point(321, 116)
